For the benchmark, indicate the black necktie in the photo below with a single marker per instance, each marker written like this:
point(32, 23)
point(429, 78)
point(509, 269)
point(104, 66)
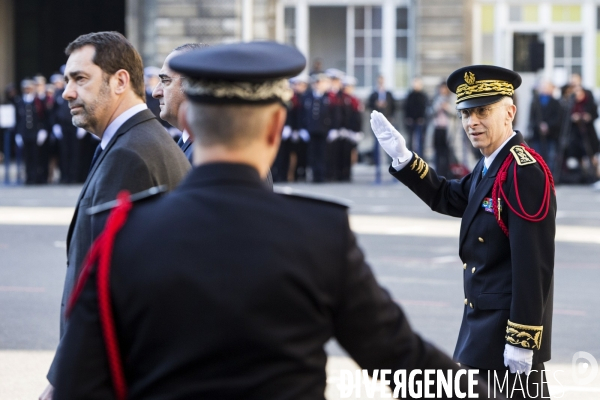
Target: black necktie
point(96, 156)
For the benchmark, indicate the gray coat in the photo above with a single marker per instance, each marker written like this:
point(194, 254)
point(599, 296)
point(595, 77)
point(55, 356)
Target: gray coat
point(140, 155)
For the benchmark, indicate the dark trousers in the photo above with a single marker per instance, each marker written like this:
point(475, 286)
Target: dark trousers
point(69, 146)
point(36, 162)
point(416, 138)
point(515, 386)
point(316, 156)
point(442, 154)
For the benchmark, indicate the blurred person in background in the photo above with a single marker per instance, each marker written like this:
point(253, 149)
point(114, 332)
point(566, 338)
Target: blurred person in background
point(317, 120)
point(545, 121)
point(31, 133)
point(583, 143)
point(443, 111)
point(351, 128)
point(66, 133)
point(334, 141)
point(151, 79)
point(298, 136)
point(415, 113)
point(381, 100)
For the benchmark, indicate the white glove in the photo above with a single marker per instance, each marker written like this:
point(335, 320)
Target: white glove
point(517, 359)
point(304, 135)
point(57, 131)
point(389, 138)
point(286, 133)
point(356, 136)
point(19, 140)
point(332, 135)
point(81, 133)
point(42, 136)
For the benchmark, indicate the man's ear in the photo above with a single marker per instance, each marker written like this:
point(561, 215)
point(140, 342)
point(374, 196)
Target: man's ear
point(121, 79)
point(512, 111)
point(276, 125)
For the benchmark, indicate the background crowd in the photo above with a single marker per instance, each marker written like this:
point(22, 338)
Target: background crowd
point(326, 122)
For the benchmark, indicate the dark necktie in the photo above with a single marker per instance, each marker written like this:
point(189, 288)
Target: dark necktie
point(180, 142)
point(96, 156)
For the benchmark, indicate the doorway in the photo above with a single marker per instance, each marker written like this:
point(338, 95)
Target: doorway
point(327, 36)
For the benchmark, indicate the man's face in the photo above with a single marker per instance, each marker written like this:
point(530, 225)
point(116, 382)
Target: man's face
point(88, 91)
point(488, 130)
point(169, 91)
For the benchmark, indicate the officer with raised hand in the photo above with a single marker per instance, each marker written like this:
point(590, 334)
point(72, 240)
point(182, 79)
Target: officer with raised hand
point(508, 210)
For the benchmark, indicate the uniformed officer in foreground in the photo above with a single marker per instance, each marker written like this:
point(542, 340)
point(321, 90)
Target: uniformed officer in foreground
point(508, 210)
point(224, 289)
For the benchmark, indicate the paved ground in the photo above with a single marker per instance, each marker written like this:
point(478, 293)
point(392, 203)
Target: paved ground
point(412, 251)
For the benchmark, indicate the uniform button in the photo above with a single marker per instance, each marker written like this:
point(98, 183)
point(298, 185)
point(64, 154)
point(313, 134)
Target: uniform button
point(481, 240)
point(465, 266)
point(471, 305)
point(473, 270)
point(466, 301)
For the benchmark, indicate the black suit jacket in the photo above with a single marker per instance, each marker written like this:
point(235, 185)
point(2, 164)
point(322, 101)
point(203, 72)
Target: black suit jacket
point(505, 278)
point(223, 289)
point(140, 155)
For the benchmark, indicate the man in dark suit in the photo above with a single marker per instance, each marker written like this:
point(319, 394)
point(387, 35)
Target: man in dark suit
point(105, 91)
point(170, 96)
point(507, 249)
point(201, 310)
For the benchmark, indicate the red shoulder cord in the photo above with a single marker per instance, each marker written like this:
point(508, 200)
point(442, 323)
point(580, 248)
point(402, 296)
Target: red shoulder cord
point(101, 253)
point(498, 191)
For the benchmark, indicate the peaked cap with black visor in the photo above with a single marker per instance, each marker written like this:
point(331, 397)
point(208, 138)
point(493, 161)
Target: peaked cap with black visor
point(239, 73)
point(480, 85)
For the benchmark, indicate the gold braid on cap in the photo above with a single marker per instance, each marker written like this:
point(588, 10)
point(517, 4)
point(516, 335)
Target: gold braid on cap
point(243, 90)
point(483, 89)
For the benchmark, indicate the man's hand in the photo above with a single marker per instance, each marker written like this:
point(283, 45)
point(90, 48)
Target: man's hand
point(518, 360)
point(389, 138)
point(47, 393)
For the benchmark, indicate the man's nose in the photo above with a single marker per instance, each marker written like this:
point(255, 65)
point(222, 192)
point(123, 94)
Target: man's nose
point(157, 93)
point(69, 93)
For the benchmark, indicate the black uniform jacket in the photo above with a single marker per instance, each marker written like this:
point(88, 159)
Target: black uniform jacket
point(223, 289)
point(505, 278)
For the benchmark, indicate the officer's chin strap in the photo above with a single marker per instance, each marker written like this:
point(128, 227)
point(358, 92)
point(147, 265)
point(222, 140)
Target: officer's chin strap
point(101, 254)
point(498, 191)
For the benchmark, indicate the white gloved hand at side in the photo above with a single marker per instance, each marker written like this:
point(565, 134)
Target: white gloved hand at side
point(517, 359)
point(42, 136)
point(389, 138)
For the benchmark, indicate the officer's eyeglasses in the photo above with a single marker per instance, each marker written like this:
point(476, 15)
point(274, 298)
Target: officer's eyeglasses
point(480, 112)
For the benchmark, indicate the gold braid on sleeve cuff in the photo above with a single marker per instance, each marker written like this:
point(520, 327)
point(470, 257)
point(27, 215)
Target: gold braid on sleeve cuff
point(419, 166)
point(525, 336)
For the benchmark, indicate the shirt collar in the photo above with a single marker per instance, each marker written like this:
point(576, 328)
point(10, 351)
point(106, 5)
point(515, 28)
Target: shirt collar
point(489, 160)
point(185, 136)
point(114, 126)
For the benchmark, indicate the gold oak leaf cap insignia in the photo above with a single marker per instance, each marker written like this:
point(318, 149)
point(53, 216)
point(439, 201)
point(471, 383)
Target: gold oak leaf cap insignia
point(481, 85)
point(469, 78)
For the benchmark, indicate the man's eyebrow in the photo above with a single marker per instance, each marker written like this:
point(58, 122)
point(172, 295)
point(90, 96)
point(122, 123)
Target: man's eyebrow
point(164, 76)
point(73, 74)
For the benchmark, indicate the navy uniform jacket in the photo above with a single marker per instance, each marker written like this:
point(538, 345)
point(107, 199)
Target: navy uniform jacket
point(505, 278)
point(223, 289)
point(317, 114)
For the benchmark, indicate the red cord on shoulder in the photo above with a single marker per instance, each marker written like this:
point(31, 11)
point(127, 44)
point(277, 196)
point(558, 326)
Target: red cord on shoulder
point(101, 253)
point(498, 191)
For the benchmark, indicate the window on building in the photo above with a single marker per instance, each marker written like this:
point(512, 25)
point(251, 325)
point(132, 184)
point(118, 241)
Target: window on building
point(289, 23)
point(568, 53)
point(523, 13)
point(487, 34)
point(367, 44)
point(402, 40)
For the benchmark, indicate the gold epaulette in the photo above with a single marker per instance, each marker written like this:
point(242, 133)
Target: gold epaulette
point(419, 166)
point(525, 336)
point(522, 156)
